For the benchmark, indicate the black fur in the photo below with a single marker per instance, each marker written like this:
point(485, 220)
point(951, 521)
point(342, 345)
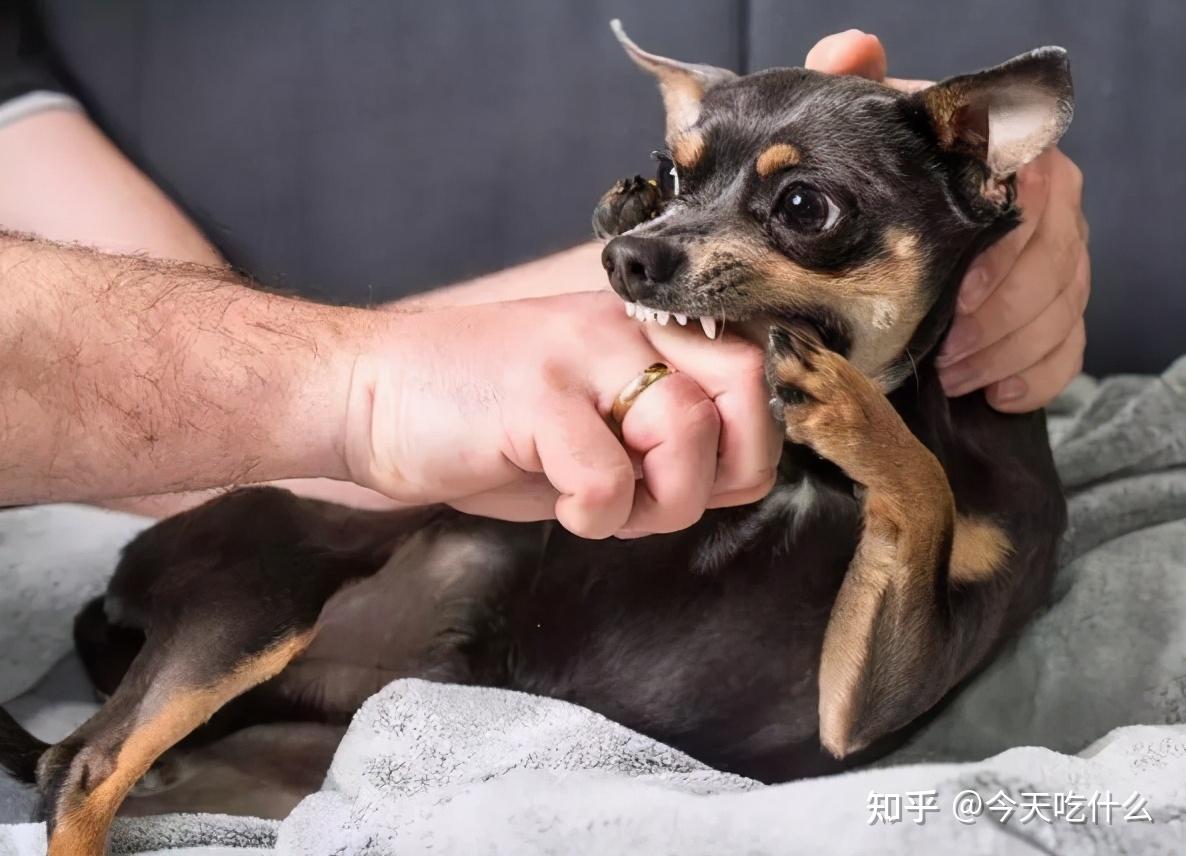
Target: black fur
point(19, 750)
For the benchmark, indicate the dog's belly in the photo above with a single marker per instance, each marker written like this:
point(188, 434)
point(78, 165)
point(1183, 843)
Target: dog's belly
point(409, 619)
point(707, 639)
point(720, 662)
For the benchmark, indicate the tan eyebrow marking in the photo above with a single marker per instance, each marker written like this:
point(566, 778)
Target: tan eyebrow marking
point(778, 156)
point(687, 149)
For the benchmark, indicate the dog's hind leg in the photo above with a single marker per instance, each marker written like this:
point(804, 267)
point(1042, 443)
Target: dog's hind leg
point(227, 595)
point(106, 649)
point(929, 591)
point(19, 750)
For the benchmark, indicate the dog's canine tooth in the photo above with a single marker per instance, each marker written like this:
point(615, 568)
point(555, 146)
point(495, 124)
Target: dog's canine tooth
point(663, 317)
point(629, 309)
point(682, 320)
point(710, 326)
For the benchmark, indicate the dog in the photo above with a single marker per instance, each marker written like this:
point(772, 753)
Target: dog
point(908, 535)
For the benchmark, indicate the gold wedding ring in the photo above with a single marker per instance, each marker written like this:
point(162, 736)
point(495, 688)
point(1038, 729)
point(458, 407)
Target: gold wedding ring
point(631, 391)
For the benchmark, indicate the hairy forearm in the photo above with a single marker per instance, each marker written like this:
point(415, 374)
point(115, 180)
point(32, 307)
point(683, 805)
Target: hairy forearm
point(63, 179)
point(121, 375)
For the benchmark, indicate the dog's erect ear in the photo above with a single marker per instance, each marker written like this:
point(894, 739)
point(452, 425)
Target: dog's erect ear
point(683, 84)
point(1006, 115)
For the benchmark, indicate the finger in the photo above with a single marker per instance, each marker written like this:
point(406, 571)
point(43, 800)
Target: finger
point(1046, 266)
point(859, 53)
point(1038, 385)
point(674, 427)
point(992, 266)
point(731, 371)
point(1024, 347)
point(905, 84)
point(530, 497)
point(850, 52)
point(588, 467)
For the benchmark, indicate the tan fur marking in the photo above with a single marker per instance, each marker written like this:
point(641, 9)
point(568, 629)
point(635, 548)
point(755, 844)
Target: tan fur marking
point(882, 299)
point(687, 149)
point(681, 99)
point(979, 549)
point(904, 245)
point(82, 831)
point(779, 156)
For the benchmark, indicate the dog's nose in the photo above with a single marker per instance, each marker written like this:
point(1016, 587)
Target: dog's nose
point(635, 265)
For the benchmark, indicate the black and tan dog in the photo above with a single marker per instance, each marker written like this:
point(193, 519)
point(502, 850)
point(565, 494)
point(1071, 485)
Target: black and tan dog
point(907, 536)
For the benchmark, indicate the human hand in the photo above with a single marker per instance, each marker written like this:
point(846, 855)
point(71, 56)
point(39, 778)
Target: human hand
point(1019, 331)
point(500, 410)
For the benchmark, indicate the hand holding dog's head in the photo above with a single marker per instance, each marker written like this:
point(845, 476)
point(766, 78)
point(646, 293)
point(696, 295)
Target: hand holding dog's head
point(837, 200)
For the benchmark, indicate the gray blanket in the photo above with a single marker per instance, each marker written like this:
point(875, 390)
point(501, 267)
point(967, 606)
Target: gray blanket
point(1073, 741)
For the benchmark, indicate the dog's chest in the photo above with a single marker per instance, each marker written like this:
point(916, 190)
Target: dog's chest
point(774, 524)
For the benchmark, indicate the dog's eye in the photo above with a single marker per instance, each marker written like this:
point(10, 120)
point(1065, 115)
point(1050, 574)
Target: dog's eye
point(806, 209)
point(667, 177)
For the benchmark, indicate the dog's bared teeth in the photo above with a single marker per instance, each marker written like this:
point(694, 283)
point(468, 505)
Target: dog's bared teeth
point(644, 313)
point(682, 320)
point(663, 318)
point(710, 326)
point(630, 308)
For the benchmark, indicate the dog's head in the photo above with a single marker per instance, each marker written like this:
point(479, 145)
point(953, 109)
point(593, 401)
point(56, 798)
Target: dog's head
point(793, 195)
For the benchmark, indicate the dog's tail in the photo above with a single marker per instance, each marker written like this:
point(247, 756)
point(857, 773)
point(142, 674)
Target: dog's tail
point(19, 750)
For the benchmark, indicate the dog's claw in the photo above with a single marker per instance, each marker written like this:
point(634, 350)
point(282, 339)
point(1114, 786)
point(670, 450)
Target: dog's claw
point(791, 395)
point(791, 342)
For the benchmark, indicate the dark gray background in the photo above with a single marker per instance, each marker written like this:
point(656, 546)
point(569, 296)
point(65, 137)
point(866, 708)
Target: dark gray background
point(360, 151)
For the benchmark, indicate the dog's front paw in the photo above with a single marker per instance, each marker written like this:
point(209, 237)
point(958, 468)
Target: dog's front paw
point(629, 203)
point(823, 400)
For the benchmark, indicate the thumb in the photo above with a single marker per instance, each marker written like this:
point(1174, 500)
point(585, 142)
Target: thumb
point(850, 52)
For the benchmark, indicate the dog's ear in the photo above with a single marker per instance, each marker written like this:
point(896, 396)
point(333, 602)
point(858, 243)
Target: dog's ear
point(683, 84)
point(1006, 115)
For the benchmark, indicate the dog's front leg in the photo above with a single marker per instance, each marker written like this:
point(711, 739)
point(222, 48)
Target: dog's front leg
point(900, 635)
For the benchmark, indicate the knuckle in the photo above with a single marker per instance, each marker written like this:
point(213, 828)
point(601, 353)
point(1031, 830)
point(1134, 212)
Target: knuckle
point(700, 417)
point(603, 486)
